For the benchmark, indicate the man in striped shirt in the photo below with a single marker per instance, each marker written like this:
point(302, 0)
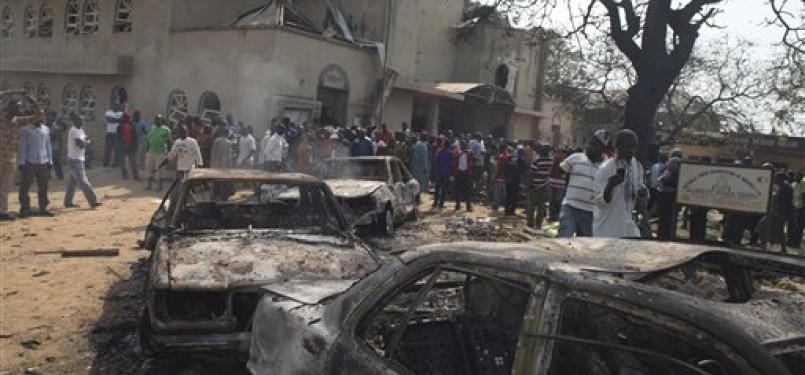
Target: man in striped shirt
point(576, 214)
point(538, 188)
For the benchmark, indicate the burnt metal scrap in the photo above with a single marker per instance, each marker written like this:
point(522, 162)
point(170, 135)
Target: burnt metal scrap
point(571, 306)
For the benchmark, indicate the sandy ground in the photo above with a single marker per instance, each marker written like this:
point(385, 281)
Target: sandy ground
point(56, 311)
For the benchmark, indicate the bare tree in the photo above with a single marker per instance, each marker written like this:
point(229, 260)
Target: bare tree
point(655, 36)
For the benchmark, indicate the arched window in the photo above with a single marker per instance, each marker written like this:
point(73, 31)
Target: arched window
point(177, 102)
point(502, 76)
point(7, 23)
point(69, 99)
point(43, 96)
point(29, 89)
point(123, 16)
point(89, 17)
point(209, 100)
point(87, 103)
point(45, 21)
point(31, 22)
point(119, 96)
point(72, 17)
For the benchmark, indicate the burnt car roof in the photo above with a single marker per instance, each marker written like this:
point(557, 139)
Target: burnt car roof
point(603, 254)
point(250, 175)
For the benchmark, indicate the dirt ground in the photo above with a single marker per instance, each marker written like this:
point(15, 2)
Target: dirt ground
point(79, 315)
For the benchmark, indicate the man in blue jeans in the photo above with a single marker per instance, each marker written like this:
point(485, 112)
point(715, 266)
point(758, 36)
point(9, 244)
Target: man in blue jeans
point(77, 143)
point(443, 168)
point(576, 214)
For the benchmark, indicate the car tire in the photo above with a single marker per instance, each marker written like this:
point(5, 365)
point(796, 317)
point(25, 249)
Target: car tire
point(385, 222)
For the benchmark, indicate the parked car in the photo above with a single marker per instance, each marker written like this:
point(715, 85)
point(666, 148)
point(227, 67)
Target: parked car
point(585, 306)
point(374, 191)
point(220, 235)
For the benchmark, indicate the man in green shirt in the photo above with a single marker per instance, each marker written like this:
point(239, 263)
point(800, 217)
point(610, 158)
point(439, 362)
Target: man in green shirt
point(157, 145)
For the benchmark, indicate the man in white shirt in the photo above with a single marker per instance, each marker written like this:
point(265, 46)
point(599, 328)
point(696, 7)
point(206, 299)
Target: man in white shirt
point(114, 116)
point(274, 151)
point(77, 143)
point(247, 148)
point(186, 152)
point(576, 213)
point(616, 186)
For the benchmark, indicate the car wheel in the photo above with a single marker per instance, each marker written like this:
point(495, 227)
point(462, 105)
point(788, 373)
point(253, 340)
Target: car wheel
point(385, 222)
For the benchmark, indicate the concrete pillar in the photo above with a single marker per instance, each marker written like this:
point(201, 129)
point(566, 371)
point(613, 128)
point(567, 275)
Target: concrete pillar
point(433, 117)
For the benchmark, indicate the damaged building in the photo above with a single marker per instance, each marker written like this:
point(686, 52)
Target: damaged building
point(435, 64)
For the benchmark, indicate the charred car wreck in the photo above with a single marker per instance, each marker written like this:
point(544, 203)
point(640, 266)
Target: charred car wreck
point(374, 191)
point(578, 307)
point(225, 234)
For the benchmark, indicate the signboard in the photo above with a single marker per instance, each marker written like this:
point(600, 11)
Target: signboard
point(767, 143)
point(725, 187)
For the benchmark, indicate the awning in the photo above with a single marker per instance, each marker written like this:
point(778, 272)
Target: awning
point(479, 93)
point(469, 92)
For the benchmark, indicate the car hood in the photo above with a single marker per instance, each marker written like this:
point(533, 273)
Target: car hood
point(353, 188)
point(218, 261)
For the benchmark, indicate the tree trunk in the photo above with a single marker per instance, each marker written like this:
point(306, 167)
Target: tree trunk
point(641, 106)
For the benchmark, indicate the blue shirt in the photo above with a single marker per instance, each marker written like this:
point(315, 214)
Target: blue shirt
point(35, 147)
point(444, 162)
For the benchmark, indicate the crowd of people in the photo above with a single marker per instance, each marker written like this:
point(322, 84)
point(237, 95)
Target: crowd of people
point(601, 190)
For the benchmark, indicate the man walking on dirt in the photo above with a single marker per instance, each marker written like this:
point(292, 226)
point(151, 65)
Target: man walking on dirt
point(77, 143)
point(157, 142)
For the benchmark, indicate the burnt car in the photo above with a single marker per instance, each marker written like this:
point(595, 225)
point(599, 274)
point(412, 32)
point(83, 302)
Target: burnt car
point(220, 235)
point(374, 191)
point(569, 307)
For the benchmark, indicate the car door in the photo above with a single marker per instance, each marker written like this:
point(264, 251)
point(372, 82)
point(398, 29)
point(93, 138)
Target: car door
point(398, 189)
point(446, 319)
point(159, 220)
point(410, 186)
point(593, 334)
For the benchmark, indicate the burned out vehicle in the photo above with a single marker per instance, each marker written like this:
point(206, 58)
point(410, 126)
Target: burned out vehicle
point(553, 307)
point(373, 190)
point(222, 234)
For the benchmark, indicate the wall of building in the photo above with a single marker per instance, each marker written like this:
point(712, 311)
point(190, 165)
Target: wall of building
point(208, 13)
point(435, 49)
point(398, 109)
point(250, 76)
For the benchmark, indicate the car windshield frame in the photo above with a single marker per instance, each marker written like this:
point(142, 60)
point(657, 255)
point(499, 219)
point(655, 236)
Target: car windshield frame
point(340, 225)
point(361, 165)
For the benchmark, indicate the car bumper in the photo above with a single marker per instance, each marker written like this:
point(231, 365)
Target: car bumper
point(237, 342)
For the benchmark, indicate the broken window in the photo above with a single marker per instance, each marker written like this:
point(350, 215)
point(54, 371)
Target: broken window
point(359, 169)
point(72, 17)
point(224, 204)
point(7, 23)
point(87, 103)
point(450, 321)
point(31, 22)
point(89, 18)
point(177, 102)
point(70, 99)
point(119, 96)
point(43, 96)
point(599, 340)
point(123, 16)
point(45, 21)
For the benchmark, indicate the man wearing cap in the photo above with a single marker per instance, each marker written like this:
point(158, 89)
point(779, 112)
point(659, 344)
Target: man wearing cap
point(576, 213)
point(617, 184)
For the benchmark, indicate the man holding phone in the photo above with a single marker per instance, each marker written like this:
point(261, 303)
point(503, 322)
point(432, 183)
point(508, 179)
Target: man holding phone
point(617, 184)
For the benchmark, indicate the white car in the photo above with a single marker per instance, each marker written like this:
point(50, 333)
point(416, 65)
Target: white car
point(373, 190)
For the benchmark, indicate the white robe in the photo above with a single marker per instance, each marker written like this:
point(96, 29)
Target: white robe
point(614, 219)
